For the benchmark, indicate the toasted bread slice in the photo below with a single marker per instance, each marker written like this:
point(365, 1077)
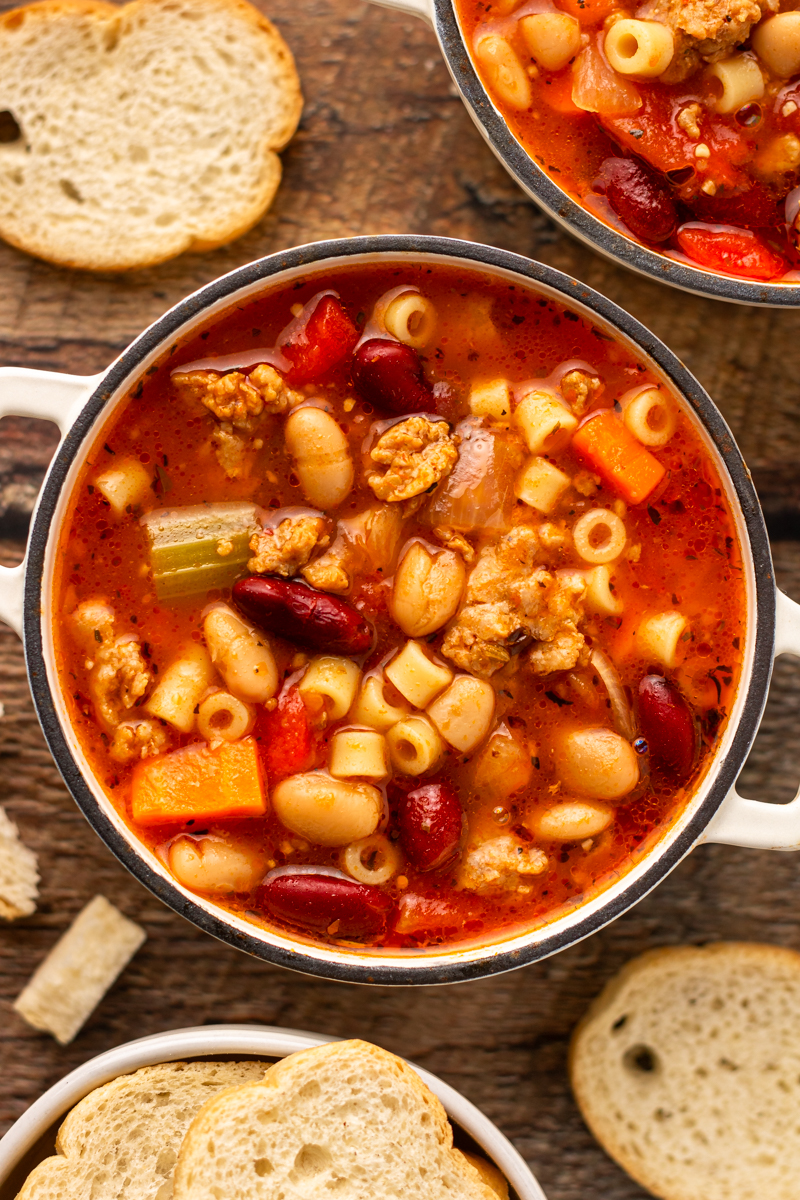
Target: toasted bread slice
point(122, 1140)
point(143, 131)
point(687, 1071)
point(19, 875)
point(346, 1119)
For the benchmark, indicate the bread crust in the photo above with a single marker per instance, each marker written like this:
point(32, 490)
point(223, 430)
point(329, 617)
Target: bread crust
point(593, 1052)
point(243, 213)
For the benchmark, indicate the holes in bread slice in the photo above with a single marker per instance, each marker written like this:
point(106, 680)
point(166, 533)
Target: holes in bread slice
point(641, 1060)
point(10, 128)
point(70, 191)
point(311, 1160)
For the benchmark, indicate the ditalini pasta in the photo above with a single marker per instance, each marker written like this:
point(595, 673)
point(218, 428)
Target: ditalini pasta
point(360, 635)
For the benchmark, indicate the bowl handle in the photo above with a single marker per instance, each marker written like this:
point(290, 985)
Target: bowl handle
point(50, 397)
point(412, 8)
point(741, 822)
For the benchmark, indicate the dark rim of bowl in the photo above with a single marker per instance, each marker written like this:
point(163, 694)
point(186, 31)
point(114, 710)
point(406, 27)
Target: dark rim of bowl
point(559, 205)
point(376, 971)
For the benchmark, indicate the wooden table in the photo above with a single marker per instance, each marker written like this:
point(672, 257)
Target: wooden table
point(386, 146)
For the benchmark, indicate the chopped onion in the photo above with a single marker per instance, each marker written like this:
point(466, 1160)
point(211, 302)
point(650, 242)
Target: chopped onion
point(479, 492)
point(597, 88)
point(620, 708)
point(303, 869)
point(376, 326)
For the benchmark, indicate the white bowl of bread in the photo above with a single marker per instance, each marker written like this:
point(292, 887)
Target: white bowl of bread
point(250, 1112)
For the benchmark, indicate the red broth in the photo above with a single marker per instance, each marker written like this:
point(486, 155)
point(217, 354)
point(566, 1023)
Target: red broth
point(654, 157)
point(471, 844)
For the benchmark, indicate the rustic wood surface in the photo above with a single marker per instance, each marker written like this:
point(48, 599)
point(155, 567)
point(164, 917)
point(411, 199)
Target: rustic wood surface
point(386, 146)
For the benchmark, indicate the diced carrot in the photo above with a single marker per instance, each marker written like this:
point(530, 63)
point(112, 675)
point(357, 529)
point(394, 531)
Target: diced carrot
point(198, 781)
point(623, 463)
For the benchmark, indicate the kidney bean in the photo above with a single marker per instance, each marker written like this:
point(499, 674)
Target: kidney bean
point(639, 197)
point(669, 727)
point(325, 903)
point(431, 823)
point(389, 375)
point(326, 338)
point(753, 205)
point(294, 610)
point(730, 250)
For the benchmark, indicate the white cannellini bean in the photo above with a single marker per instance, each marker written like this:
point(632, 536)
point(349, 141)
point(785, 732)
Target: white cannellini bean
point(598, 763)
point(210, 864)
point(464, 713)
point(427, 589)
point(327, 811)
point(180, 687)
point(572, 821)
point(242, 656)
point(322, 456)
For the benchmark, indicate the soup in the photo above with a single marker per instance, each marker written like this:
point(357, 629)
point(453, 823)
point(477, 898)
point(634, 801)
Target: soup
point(679, 126)
point(399, 607)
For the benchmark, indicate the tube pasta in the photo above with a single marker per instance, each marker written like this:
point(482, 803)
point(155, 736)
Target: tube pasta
point(735, 82)
point(541, 485)
point(411, 318)
point(776, 41)
point(242, 656)
point(360, 754)
point(416, 677)
point(553, 38)
point(124, 486)
point(333, 678)
point(330, 812)
point(572, 821)
point(372, 860)
point(650, 416)
point(507, 78)
point(464, 713)
point(599, 596)
point(599, 536)
point(658, 635)
point(491, 398)
point(642, 48)
point(373, 707)
point(321, 454)
point(180, 687)
point(223, 718)
point(546, 423)
point(414, 745)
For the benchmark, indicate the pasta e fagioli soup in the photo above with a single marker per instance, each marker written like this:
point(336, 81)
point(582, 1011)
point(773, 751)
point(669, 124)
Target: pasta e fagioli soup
point(398, 608)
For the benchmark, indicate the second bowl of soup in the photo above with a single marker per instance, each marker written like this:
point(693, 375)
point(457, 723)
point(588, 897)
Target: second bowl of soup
point(401, 615)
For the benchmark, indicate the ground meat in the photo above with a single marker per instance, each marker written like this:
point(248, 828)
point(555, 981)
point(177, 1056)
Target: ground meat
point(688, 119)
point(586, 483)
point(499, 864)
point(92, 624)
point(119, 679)
point(235, 397)
point(366, 542)
point(231, 450)
point(418, 453)
point(287, 548)
point(509, 600)
point(276, 395)
point(580, 390)
point(134, 740)
point(704, 30)
point(455, 541)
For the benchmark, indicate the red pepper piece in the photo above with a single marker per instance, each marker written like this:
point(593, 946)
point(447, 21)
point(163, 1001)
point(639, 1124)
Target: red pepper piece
point(326, 904)
point(389, 375)
point(431, 824)
point(293, 610)
point(639, 198)
point(730, 250)
point(668, 727)
point(285, 738)
point(327, 337)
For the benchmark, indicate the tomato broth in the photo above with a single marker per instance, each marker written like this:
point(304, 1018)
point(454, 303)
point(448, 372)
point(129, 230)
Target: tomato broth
point(541, 688)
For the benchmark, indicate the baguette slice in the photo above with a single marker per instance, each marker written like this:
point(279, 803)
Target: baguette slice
point(144, 130)
point(687, 1071)
point(122, 1140)
point(19, 875)
point(346, 1119)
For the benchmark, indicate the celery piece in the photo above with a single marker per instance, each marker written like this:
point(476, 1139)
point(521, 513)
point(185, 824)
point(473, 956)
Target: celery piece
point(199, 547)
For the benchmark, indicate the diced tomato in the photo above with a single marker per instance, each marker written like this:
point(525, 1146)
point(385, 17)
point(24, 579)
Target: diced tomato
point(419, 914)
point(285, 737)
point(588, 12)
point(556, 91)
point(730, 250)
point(328, 336)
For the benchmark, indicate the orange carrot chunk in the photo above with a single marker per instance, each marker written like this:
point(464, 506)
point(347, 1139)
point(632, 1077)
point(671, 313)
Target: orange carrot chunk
point(607, 447)
point(199, 781)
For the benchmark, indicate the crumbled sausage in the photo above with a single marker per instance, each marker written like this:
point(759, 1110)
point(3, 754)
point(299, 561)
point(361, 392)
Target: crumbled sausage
point(455, 541)
point(276, 395)
point(586, 483)
point(418, 453)
point(580, 390)
point(705, 30)
point(510, 599)
point(231, 451)
point(688, 119)
point(92, 624)
point(366, 542)
point(288, 547)
point(499, 863)
point(138, 739)
point(119, 679)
